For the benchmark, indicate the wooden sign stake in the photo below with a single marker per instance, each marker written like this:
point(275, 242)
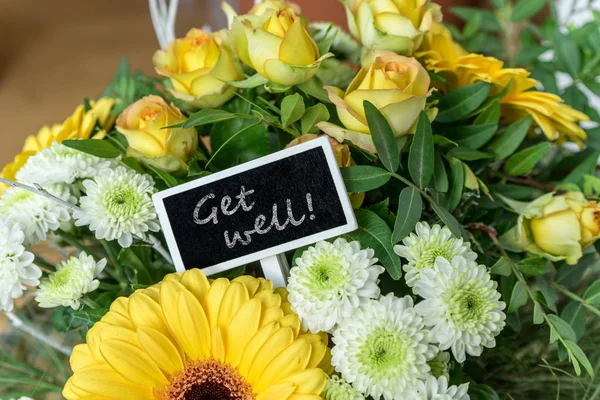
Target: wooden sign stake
point(276, 269)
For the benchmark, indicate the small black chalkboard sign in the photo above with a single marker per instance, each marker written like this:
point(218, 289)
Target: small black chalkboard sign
point(256, 210)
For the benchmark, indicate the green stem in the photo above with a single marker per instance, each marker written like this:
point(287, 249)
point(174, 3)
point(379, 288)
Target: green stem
point(114, 259)
point(409, 183)
point(573, 296)
point(90, 303)
point(78, 244)
point(42, 262)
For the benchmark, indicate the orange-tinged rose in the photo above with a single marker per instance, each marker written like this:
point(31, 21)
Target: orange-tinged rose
point(143, 123)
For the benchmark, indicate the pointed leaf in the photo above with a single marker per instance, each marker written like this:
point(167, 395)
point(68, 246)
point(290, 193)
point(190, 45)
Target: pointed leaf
point(362, 178)
point(518, 297)
point(502, 267)
point(420, 157)
point(510, 140)
point(98, 148)
point(461, 102)
point(410, 207)
point(383, 137)
point(292, 109)
point(525, 160)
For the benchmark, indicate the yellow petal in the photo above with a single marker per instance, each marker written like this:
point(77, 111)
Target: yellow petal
point(318, 349)
point(243, 326)
point(293, 359)
point(213, 300)
point(279, 391)
point(311, 380)
point(235, 295)
point(297, 47)
point(252, 284)
point(262, 46)
point(271, 314)
point(119, 333)
point(194, 324)
point(161, 349)
point(81, 357)
point(144, 311)
point(254, 345)
point(280, 339)
point(103, 381)
point(218, 345)
point(196, 282)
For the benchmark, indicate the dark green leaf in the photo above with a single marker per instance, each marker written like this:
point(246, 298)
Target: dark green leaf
point(314, 115)
point(457, 182)
point(502, 267)
point(574, 314)
point(209, 116)
point(448, 219)
point(567, 53)
point(314, 88)
point(586, 166)
point(562, 327)
point(489, 21)
point(467, 154)
point(482, 392)
point(373, 232)
point(592, 294)
point(509, 140)
point(472, 136)
point(98, 148)
point(383, 137)
point(580, 356)
point(410, 207)
point(292, 109)
point(362, 178)
point(490, 114)
point(170, 180)
point(533, 266)
point(518, 297)
point(440, 177)
point(525, 9)
point(550, 294)
point(420, 157)
point(525, 160)
point(461, 102)
point(538, 317)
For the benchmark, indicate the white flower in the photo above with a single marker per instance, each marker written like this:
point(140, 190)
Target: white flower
point(421, 249)
point(35, 214)
point(461, 305)
point(440, 364)
point(330, 281)
point(339, 389)
point(16, 266)
point(61, 164)
point(384, 348)
point(73, 278)
point(21, 398)
point(438, 389)
point(118, 205)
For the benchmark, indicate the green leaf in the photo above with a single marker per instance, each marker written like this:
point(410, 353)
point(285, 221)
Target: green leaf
point(410, 207)
point(574, 314)
point(567, 53)
point(502, 267)
point(448, 219)
point(251, 82)
point(209, 116)
point(490, 114)
point(326, 41)
point(98, 148)
point(314, 88)
point(362, 178)
point(420, 157)
point(518, 297)
point(90, 316)
point(440, 177)
point(489, 21)
point(586, 166)
point(472, 136)
point(525, 160)
point(373, 232)
point(580, 356)
point(314, 115)
point(533, 266)
point(550, 294)
point(562, 327)
point(467, 154)
point(525, 9)
point(538, 317)
point(592, 294)
point(383, 137)
point(170, 180)
point(482, 392)
point(461, 102)
point(457, 182)
point(292, 109)
point(509, 140)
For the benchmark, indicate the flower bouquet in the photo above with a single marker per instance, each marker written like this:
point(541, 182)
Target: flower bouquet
point(473, 273)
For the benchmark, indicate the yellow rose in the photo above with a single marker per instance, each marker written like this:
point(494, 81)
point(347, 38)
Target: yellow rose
point(559, 227)
point(142, 124)
point(277, 45)
point(342, 156)
point(398, 86)
point(395, 25)
point(199, 65)
point(263, 7)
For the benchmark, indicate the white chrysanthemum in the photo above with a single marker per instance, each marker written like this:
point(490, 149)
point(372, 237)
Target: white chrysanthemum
point(21, 398)
point(330, 281)
point(462, 306)
point(438, 389)
point(35, 214)
point(421, 249)
point(16, 266)
point(384, 348)
point(118, 205)
point(440, 364)
point(61, 164)
point(339, 389)
point(73, 278)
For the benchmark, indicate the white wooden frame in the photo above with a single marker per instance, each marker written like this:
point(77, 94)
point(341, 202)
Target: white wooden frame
point(269, 263)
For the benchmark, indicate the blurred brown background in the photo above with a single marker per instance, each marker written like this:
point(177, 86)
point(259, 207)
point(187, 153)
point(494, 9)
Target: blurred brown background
point(55, 53)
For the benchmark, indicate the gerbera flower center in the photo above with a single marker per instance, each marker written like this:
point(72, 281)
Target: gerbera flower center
point(208, 380)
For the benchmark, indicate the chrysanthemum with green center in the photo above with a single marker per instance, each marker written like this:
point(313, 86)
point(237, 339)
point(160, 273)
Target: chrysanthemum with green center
point(461, 306)
point(422, 248)
point(338, 389)
point(384, 348)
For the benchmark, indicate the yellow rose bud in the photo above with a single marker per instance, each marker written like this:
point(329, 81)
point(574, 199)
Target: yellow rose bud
point(142, 124)
point(277, 45)
point(342, 156)
point(395, 25)
point(199, 65)
point(398, 86)
point(560, 226)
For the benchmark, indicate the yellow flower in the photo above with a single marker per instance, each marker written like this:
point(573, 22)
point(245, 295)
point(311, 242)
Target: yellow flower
point(277, 45)
point(143, 123)
point(342, 156)
point(395, 25)
point(557, 120)
point(260, 8)
point(188, 338)
point(398, 86)
point(80, 125)
point(199, 66)
point(559, 227)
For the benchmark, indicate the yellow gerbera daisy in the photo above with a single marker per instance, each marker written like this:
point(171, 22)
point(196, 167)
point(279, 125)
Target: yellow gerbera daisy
point(80, 125)
point(557, 120)
point(189, 338)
